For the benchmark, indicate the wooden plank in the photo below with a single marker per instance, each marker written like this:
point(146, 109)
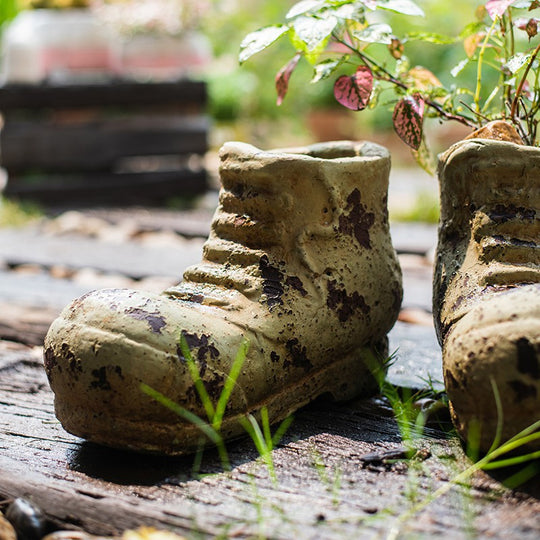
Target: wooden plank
point(30, 245)
point(102, 188)
point(189, 223)
point(131, 259)
point(414, 237)
point(112, 93)
point(324, 486)
point(25, 325)
point(417, 356)
point(98, 145)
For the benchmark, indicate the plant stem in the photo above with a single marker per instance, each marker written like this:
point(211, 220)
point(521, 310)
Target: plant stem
point(522, 84)
point(479, 67)
point(508, 54)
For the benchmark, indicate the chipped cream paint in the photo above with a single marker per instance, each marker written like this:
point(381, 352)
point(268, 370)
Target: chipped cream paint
point(487, 284)
point(299, 261)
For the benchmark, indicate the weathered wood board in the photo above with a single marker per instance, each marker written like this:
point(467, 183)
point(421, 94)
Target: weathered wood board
point(115, 142)
point(14, 97)
point(57, 147)
point(87, 189)
point(31, 246)
point(130, 259)
point(326, 486)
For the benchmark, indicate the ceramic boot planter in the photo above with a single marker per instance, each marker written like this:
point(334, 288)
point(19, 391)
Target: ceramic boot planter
point(487, 286)
point(299, 262)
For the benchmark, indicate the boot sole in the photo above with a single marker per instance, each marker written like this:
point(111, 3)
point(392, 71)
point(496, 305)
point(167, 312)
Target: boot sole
point(342, 380)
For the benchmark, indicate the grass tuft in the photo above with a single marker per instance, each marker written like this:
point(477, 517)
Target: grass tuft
point(210, 428)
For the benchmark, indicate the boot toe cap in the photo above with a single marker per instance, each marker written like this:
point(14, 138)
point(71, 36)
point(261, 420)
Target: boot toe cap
point(105, 346)
point(495, 349)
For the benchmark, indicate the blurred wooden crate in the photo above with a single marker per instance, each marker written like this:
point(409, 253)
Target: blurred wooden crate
point(115, 143)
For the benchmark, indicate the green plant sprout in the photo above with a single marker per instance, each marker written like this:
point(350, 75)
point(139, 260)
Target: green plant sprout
point(411, 420)
point(492, 460)
point(346, 39)
point(333, 486)
point(411, 423)
point(264, 441)
point(211, 428)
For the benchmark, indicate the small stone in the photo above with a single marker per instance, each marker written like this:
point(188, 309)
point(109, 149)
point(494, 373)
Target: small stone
point(29, 269)
point(96, 279)
point(149, 533)
point(75, 222)
point(73, 535)
point(371, 510)
point(27, 519)
point(7, 532)
point(497, 130)
point(416, 316)
point(59, 271)
point(155, 284)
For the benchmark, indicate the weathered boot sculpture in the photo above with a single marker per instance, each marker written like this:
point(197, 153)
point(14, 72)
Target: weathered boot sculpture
point(487, 286)
point(298, 262)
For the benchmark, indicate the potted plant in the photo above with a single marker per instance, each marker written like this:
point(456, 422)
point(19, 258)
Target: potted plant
point(345, 40)
point(487, 275)
point(158, 39)
point(55, 40)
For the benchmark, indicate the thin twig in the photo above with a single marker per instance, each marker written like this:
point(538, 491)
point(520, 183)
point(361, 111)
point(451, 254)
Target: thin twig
point(479, 66)
point(522, 83)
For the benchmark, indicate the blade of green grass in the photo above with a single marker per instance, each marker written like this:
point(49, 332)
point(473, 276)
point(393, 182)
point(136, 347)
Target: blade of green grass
point(205, 428)
point(196, 378)
point(230, 382)
point(280, 431)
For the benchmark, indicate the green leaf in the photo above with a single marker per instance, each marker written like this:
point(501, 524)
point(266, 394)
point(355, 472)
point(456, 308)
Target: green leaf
point(456, 70)
point(259, 40)
point(313, 31)
point(516, 62)
point(351, 11)
point(523, 4)
point(424, 158)
point(406, 7)
point(471, 29)
point(280, 431)
point(429, 37)
point(375, 33)
point(303, 7)
point(311, 56)
point(324, 69)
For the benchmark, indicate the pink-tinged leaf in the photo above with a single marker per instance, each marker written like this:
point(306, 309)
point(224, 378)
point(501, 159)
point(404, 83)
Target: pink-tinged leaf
point(408, 119)
point(354, 91)
point(283, 76)
point(526, 91)
point(529, 25)
point(496, 8)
